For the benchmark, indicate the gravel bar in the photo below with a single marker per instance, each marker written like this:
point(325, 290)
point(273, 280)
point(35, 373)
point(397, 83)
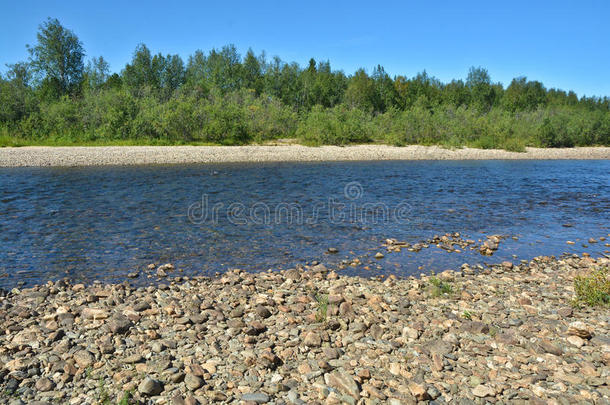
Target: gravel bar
point(310, 335)
point(142, 155)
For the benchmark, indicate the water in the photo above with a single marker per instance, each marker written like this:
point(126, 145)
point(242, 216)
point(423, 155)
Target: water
point(103, 222)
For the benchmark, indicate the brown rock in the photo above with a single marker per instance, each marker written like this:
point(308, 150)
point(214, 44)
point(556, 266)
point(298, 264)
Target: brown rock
point(119, 324)
point(580, 329)
point(45, 384)
point(482, 391)
point(343, 382)
point(575, 340)
point(418, 391)
point(312, 339)
point(94, 313)
point(255, 328)
point(262, 311)
point(83, 358)
point(549, 347)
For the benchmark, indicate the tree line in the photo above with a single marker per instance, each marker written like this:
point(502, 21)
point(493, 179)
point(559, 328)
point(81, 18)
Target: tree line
point(222, 97)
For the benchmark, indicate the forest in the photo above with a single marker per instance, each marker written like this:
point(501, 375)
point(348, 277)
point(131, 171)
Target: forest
point(57, 97)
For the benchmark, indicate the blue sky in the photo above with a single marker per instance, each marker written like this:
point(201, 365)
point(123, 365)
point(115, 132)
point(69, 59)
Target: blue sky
point(564, 44)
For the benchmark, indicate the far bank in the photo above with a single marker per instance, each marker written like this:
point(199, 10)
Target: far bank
point(142, 155)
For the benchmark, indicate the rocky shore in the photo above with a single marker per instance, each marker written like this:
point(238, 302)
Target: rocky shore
point(139, 155)
point(504, 334)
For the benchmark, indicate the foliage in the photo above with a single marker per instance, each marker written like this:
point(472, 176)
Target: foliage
point(438, 287)
point(219, 97)
point(340, 125)
point(321, 314)
point(58, 56)
point(593, 289)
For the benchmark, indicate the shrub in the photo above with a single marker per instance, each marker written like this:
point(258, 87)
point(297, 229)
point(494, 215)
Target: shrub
point(339, 125)
point(438, 287)
point(593, 289)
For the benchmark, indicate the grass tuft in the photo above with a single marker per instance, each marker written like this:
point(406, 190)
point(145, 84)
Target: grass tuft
point(439, 288)
point(322, 312)
point(593, 289)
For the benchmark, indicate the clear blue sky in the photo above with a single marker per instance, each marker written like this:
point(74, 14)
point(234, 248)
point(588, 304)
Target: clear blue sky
point(564, 44)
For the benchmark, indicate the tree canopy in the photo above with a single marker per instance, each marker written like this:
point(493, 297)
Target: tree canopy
point(57, 59)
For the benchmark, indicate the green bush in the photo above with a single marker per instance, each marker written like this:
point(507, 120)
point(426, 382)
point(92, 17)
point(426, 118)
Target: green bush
point(115, 115)
point(109, 114)
point(593, 289)
point(335, 126)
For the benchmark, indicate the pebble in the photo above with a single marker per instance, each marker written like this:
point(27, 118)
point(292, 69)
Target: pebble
point(580, 329)
point(258, 397)
point(150, 387)
point(312, 339)
point(482, 391)
point(45, 384)
point(83, 358)
point(193, 382)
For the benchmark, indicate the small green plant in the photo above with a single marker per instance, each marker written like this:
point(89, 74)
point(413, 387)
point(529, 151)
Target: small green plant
point(125, 400)
point(493, 331)
point(103, 396)
point(593, 289)
point(322, 307)
point(467, 315)
point(438, 287)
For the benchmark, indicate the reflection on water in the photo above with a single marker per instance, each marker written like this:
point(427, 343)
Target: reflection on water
point(101, 223)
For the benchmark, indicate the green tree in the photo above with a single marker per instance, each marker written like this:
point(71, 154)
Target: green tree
point(57, 57)
point(361, 92)
point(252, 73)
point(172, 75)
point(16, 99)
point(456, 93)
point(481, 89)
point(522, 95)
point(223, 68)
point(140, 74)
point(421, 87)
point(385, 93)
point(97, 72)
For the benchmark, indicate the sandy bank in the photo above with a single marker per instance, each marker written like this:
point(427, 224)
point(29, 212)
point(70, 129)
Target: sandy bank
point(135, 155)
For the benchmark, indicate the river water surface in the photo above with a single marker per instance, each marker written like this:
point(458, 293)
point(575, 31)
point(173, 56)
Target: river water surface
point(100, 223)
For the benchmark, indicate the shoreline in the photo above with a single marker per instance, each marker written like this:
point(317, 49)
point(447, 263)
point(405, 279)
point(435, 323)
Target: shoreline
point(62, 156)
point(508, 333)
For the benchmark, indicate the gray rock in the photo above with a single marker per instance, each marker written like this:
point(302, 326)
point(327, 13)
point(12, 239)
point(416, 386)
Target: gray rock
point(150, 387)
point(258, 397)
point(119, 324)
point(44, 384)
point(262, 311)
point(193, 382)
point(141, 306)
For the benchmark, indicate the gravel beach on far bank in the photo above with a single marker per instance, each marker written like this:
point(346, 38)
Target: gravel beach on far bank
point(142, 155)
